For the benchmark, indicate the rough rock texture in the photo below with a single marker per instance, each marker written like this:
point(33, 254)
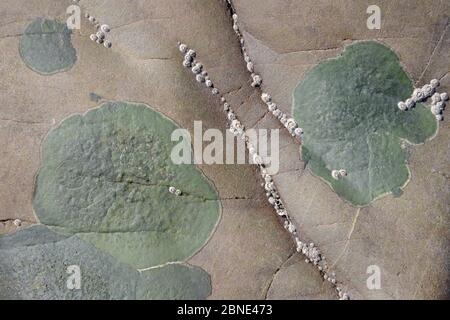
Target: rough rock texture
point(406, 236)
point(143, 66)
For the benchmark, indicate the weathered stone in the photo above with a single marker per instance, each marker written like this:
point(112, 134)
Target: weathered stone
point(105, 176)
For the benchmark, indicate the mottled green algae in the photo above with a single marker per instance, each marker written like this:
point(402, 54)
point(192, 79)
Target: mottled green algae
point(105, 177)
point(46, 47)
point(348, 109)
point(34, 264)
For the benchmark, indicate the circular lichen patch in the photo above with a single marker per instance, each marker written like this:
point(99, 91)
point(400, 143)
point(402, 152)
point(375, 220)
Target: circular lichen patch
point(46, 46)
point(37, 263)
point(348, 109)
point(105, 177)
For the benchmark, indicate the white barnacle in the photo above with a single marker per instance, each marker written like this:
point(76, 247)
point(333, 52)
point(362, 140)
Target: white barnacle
point(444, 96)
point(87, 15)
point(235, 16)
point(17, 222)
point(191, 53)
point(101, 35)
point(335, 174)
point(298, 132)
point(257, 159)
point(418, 95)
point(93, 37)
point(276, 112)
point(402, 106)
point(434, 83)
point(187, 57)
point(410, 103)
point(215, 91)
point(100, 40)
point(183, 48)
point(439, 117)
point(282, 213)
point(436, 98)
point(250, 66)
point(427, 90)
point(178, 192)
point(291, 228)
point(257, 81)
point(187, 63)
point(271, 200)
point(343, 173)
point(200, 78)
point(197, 68)
point(226, 107)
point(172, 190)
point(291, 124)
point(440, 105)
point(268, 186)
point(107, 44)
point(231, 116)
point(92, 19)
point(435, 109)
point(209, 83)
point(236, 124)
point(105, 28)
point(271, 106)
point(265, 97)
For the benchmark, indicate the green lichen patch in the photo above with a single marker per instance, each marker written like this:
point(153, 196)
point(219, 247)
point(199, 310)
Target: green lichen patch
point(105, 177)
point(46, 47)
point(35, 263)
point(348, 109)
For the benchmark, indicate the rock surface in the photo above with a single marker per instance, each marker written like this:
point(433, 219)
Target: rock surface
point(406, 236)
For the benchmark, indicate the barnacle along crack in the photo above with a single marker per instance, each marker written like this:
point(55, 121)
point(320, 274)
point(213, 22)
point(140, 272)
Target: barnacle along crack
point(310, 251)
point(288, 122)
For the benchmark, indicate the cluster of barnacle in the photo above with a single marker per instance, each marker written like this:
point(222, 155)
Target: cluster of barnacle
point(438, 104)
point(337, 174)
point(175, 191)
point(289, 123)
point(422, 94)
point(311, 252)
point(103, 29)
point(100, 36)
point(256, 79)
point(202, 77)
